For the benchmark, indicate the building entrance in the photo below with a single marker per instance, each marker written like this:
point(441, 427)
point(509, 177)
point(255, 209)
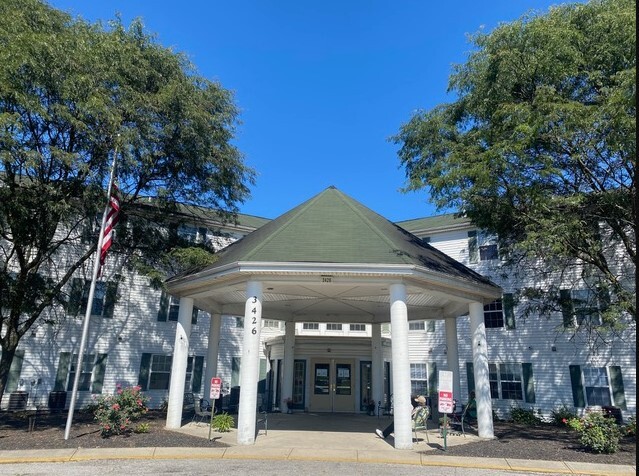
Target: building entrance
point(333, 387)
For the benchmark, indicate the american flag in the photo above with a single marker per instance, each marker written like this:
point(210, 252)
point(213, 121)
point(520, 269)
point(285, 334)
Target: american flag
point(111, 220)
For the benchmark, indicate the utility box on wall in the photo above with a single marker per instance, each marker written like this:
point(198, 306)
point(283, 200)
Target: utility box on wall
point(18, 401)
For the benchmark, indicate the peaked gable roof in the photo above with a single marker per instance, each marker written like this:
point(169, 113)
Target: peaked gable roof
point(331, 227)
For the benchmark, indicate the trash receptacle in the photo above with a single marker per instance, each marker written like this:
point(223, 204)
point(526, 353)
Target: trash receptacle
point(57, 400)
point(18, 401)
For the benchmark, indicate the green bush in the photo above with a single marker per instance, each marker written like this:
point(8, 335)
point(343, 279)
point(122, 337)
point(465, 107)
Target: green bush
point(222, 422)
point(562, 415)
point(116, 412)
point(525, 416)
point(597, 433)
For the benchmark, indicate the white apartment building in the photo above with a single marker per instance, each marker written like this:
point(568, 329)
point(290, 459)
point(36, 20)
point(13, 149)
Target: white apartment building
point(339, 360)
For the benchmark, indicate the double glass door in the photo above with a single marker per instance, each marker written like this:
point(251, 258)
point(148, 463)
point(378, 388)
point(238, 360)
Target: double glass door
point(333, 385)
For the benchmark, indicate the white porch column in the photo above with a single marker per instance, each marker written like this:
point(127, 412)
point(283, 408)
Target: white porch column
point(212, 353)
point(480, 369)
point(288, 364)
point(249, 373)
point(452, 355)
point(377, 365)
point(178, 366)
point(402, 406)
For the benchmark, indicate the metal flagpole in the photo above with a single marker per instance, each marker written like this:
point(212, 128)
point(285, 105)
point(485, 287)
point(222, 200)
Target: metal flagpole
point(87, 315)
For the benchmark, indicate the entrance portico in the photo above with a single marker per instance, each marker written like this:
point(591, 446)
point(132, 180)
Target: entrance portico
point(333, 260)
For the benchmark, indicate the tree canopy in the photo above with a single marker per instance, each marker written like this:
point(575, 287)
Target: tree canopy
point(538, 147)
point(73, 94)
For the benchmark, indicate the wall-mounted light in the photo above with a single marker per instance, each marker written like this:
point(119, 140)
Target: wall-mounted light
point(553, 348)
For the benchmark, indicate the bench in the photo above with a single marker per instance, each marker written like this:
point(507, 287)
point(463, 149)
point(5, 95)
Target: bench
point(188, 403)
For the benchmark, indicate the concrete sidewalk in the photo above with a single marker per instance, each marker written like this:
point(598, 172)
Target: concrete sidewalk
point(315, 437)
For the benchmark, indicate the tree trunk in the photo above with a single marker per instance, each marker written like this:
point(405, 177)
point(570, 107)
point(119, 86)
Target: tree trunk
point(5, 366)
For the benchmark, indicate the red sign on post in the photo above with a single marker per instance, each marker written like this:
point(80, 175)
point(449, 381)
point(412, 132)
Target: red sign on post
point(216, 388)
point(445, 402)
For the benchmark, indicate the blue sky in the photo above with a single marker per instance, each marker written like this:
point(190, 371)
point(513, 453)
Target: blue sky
point(321, 85)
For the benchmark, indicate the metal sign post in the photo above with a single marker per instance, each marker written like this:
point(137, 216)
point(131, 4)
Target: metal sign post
point(216, 387)
point(445, 400)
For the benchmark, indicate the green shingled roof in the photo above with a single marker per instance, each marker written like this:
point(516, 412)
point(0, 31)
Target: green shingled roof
point(331, 227)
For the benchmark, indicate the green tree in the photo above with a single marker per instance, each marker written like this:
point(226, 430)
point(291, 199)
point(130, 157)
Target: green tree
point(71, 94)
point(538, 148)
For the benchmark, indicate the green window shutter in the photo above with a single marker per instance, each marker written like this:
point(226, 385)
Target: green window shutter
point(98, 373)
point(430, 326)
point(578, 398)
point(616, 381)
point(261, 384)
point(194, 314)
point(196, 379)
point(567, 311)
point(529, 384)
point(63, 371)
point(509, 310)
point(14, 371)
point(235, 372)
point(470, 376)
point(110, 299)
point(163, 312)
point(145, 370)
point(473, 247)
point(75, 296)
point(432, 378)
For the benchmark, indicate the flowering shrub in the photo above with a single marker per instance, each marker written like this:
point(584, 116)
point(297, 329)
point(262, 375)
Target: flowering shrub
point(630, 428)
point(597, 433)
point(116, 412)
point(527, 416)
point(561, 416)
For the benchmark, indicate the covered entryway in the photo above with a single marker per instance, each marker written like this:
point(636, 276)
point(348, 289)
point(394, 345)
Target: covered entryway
point(333, 260)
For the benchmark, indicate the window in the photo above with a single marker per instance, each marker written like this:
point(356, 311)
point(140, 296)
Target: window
point(430, 326)
point(270, 324)
point(155, 372)
point(170, 309)
point(333, 327)
point(104, 297)
point(310, 326)
point(192, 234)
point(160, 374)
point(596, 386)
point(357, 327)
point(508, 381)
point(91, 374)
point(418, 379)
point(493, 314)
point(416, 326)
point(239, 322)
point(583, 306)
point(481, 247)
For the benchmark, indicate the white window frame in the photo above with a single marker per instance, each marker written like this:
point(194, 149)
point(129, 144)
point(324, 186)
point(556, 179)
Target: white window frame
point(586, 307)
point(513, 375)
point(491, 313)
point(86, 375)
point(416, 326)
point(310, 326)
point(357, 327)
point(271, 324)
point(419, 378)
point(334, 326)
point(597, 388)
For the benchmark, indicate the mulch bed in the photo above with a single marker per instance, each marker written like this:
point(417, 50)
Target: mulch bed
point(542, 442)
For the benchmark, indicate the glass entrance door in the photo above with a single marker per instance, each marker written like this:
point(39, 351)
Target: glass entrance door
point(333, 385)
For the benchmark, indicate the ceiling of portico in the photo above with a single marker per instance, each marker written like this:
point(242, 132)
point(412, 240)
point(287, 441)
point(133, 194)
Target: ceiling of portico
point(333, 260)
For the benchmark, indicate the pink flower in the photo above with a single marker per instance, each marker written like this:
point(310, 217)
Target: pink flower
point(116, 406)
point(564, 420)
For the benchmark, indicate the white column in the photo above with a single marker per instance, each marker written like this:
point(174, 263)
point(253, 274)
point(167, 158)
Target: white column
point(480, 367)
point(452, 355)
point(178, 366)
point(212, 353)
point(288, 364)
point(249, 372)
point(377, 365)
point(402, 406)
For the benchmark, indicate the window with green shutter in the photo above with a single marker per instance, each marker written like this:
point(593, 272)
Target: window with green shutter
point(104, 298)
point(15, 371)
point(473, 247)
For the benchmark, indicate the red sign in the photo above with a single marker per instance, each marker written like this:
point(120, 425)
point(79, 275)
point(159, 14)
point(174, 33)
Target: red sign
point(445, 404)
point(216, 388)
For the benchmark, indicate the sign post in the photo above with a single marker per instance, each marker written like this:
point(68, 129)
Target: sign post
point(216, 388)
point(445, 400)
